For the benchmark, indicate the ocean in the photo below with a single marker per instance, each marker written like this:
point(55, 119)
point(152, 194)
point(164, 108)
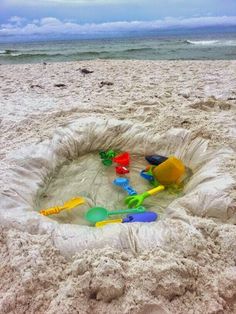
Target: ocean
point(185, 47)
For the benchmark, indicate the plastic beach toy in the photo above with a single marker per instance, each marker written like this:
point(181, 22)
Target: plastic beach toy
point(67, 205)
point(96, 214)
point(156, 159)
point(147, 175)
point(107, 222)
point(141, 217)
point(124, 184)
point(121, 170)
point(107, 157)
point(137, 200)
point(122, 159)
point(169, 172)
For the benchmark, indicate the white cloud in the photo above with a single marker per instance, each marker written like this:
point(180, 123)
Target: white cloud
point(17, 20)
point(54, 26)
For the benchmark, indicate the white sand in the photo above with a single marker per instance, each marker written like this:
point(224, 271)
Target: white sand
point(196, 272)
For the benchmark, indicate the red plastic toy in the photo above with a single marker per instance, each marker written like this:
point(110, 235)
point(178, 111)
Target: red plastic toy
point(122, 159)
point(121, 170)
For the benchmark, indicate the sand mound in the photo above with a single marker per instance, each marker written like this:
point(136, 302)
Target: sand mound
point(205, 195)
point(194, 271)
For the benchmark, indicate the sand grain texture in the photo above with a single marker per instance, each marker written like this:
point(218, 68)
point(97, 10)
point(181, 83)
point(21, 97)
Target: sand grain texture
point(196, 273)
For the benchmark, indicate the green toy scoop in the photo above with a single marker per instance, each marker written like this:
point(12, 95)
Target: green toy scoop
point(97, 214)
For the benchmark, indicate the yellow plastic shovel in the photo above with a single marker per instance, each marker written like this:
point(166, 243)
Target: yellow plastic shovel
point(76, 201)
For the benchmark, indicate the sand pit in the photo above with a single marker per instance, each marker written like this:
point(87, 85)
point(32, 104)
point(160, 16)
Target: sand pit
point(66, 167)
point(181, 264)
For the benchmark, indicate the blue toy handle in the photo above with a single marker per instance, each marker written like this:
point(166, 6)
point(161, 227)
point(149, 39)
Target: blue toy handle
point(124, 184)
point(130, 190)
point(146, 175)
point(141, 217)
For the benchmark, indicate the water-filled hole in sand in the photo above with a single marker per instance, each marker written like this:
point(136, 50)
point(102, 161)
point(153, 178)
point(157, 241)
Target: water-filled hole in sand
point(86, 176)
point(67, 165)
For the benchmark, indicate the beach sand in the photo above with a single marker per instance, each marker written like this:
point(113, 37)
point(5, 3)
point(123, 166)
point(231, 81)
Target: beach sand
point(196, 273)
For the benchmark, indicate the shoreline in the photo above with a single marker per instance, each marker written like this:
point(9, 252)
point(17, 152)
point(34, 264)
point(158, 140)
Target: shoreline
point(36, 63)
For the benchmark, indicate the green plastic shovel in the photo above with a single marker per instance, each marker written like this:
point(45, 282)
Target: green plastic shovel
point(97, 214)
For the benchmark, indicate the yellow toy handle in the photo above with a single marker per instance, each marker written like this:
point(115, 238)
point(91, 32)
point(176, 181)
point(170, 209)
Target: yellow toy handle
point(156, 190)
point(106, 222)
point(51, 211)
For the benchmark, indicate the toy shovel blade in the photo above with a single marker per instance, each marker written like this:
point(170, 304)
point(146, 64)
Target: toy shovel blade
point(76, 201)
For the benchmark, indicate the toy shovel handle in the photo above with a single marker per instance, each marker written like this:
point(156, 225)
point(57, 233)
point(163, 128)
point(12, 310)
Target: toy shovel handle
point(139, 209)
point(156, 190)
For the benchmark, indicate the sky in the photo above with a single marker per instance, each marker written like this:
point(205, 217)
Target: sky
point(45, 17)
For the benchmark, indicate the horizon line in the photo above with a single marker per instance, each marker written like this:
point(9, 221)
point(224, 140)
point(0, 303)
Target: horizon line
point(51, 26)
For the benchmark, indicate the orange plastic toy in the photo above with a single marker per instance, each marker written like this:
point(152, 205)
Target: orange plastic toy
point(170, 171)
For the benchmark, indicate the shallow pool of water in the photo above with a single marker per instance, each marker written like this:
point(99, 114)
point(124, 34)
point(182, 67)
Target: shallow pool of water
point(89, 178)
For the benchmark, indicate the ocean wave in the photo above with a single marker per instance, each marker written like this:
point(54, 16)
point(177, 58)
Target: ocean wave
point(7, 51)
point(138, 49)
point(202, 42)
point(231, 42)
point(89, 53)
point(26, 54)
point(19, 55)
point(211, 42)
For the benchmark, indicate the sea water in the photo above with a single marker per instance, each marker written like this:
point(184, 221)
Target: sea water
point(166, 47)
